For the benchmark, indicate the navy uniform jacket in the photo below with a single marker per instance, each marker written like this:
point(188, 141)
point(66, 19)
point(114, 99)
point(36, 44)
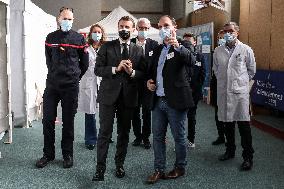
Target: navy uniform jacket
point(66, 58)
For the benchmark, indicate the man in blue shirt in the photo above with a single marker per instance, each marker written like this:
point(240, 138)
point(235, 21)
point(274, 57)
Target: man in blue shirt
point(171, 98)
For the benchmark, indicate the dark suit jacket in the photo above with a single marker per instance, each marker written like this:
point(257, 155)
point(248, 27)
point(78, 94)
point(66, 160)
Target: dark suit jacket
point(149, 50)
point(175, 78)
point(111, 85)
point(196, 72)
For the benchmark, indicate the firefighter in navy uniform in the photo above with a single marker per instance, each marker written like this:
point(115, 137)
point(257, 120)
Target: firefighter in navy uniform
point(67, 61)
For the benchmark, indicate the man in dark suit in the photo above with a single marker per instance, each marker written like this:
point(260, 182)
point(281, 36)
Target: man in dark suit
point(172, 97)
point(148, 45)
point(120, 63)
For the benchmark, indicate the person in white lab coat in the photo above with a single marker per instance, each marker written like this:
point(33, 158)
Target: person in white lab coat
point(88, 87)
point(234, 66)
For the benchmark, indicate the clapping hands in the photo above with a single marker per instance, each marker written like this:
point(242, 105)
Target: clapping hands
point(125, 65)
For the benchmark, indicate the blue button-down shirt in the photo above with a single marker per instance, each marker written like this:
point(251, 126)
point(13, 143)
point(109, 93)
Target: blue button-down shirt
point(231, 50)
point(159, 80)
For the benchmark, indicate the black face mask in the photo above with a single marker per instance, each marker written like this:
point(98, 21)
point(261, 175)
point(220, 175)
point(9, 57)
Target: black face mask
point(124, 34)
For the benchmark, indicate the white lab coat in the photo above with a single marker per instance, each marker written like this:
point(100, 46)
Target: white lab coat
point(233, 75)
point(88, 86)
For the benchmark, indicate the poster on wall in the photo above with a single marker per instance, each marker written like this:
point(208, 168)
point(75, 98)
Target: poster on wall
point(268, 89)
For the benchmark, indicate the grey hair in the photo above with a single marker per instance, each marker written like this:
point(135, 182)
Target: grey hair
point(237, 28)
point(145, 20)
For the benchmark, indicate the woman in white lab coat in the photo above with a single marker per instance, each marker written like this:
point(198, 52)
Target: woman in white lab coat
point(88, 87)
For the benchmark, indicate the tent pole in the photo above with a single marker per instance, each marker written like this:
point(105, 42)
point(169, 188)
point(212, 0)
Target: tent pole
point(10, 136)
point(27, 125)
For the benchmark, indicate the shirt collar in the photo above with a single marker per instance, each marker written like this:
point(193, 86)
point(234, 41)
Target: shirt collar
point(140, 43)
point(166, 46)
point(234, 46)
point(121, 42)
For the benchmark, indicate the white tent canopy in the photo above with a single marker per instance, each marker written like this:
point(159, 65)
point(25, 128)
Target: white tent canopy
point(110, 22)
point(29, 26)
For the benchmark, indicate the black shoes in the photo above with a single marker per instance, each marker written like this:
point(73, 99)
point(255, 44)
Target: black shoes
point(90, 146)
point(42, 162)
point(218, 141)
point(136, 142)
point(147, 144)
point(226, 156)
point(67, 161)
point(119, 172)
point(99, 175)
point(246, 165)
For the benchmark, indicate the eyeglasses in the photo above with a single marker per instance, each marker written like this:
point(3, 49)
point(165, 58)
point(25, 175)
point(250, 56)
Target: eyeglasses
point(143, 28)
point(65, 8)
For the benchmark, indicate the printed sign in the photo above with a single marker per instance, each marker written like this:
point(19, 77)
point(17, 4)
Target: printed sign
point(268, 89)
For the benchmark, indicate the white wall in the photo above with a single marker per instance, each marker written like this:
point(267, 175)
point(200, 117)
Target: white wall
point(136, 6)
point(4, 92)
point(86, 12)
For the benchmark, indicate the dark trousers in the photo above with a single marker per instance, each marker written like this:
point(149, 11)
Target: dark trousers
point(191, 121)
point(136, 123)
point(69, 104)
point(246, 138)
point(106, 114)
point(90, 129)
point(219, 125)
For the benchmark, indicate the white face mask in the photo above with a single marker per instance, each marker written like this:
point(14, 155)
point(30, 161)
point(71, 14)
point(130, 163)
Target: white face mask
point(96, 36)
point(66, 25)
point(165, 33)
point(229, 37)
point(143, 34)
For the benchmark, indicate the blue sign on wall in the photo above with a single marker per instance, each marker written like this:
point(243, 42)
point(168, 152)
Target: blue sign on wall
point(268, 89)
point(206, 38)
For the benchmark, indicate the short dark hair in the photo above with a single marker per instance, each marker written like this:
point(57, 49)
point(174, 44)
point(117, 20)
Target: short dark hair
point(127, 18)
point(172, 19)
point(65, 8)
point(237, 28)
point(189, 35)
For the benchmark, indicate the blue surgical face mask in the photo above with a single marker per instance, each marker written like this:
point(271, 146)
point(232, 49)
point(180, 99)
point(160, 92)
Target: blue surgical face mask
point(221, 42)
point(143, 34)
point(96, 36)
point(165, 33)
point(229, 37)
point(66, 25)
